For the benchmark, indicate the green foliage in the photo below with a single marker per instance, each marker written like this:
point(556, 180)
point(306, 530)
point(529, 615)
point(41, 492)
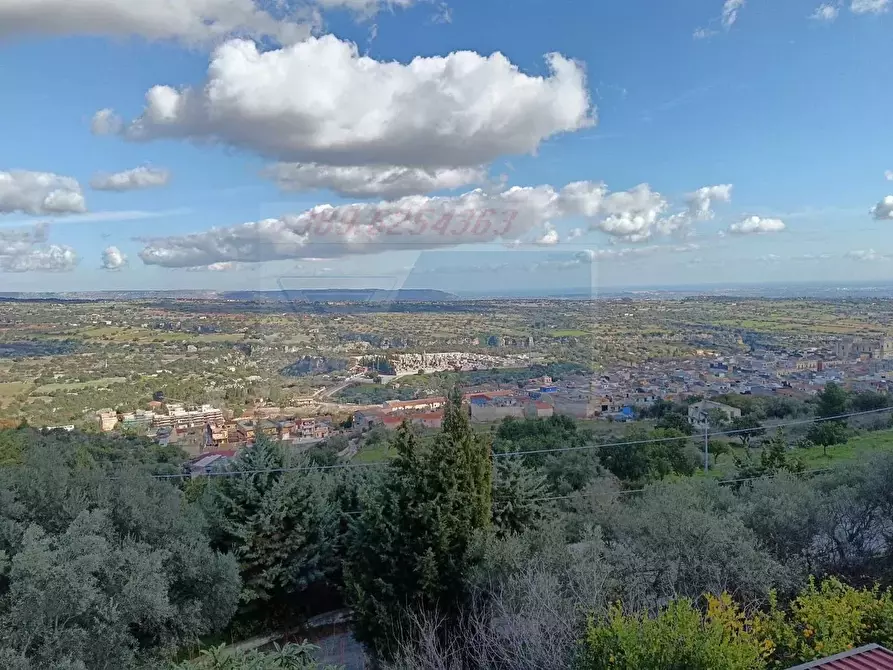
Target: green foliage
point(88, 557)
point(675, 421)
point(866, 401)
point(642, 460)
point(832, 401)
point(289, 657)
point(821, 621)
point(565, 471)
point(747, 427)
point(678, 638)
point(517, 496)
point(825, 620)
point(827, 433)
point(775, 457)
point(411, 543)
point(278, 525)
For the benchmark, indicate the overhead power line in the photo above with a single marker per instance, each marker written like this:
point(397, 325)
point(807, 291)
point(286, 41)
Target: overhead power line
point(625, 443)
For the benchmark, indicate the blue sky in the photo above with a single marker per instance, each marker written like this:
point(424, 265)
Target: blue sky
point(793, 112)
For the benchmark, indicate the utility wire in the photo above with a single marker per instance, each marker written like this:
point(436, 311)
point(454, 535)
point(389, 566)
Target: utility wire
point(626, 443)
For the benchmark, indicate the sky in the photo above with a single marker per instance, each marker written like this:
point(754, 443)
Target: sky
point(457, 144)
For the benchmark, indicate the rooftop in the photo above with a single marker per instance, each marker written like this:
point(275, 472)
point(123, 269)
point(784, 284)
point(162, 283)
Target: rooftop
point(869, 657)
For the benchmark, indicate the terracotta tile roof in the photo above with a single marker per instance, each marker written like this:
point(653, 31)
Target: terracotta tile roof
point(869, 657)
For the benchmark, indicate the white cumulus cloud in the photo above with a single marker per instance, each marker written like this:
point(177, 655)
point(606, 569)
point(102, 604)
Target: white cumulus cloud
point(727, 19)
point(189, 21)
point(549, 238)
point(420, 222)
point(320, 101)
point(869, 6)
point(414, 222)
point(106, 122)
point(700, 202)
point(113, 259)
point(755, 225)
point(130, 180)
point(730, 11)
point(39, 193)
point(865, 255)
point(373, 181)
point(888, 175)
point(25, 250)
point(883, 211)
point(826, 12)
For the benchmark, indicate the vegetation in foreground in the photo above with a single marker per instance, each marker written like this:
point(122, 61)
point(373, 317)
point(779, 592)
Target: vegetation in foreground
point(459, 552)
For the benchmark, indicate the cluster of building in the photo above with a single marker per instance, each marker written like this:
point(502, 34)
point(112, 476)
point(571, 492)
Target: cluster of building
point(200, 429)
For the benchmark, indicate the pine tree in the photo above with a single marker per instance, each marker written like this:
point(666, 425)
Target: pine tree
point(279, 527)
point(410, 546)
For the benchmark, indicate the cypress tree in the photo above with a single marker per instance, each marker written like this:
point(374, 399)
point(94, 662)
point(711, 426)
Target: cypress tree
point(410, 546)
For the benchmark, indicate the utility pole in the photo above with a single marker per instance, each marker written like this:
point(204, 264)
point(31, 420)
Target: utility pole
point(706, 445)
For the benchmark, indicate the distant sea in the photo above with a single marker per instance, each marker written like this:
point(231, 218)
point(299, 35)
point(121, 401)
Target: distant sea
point(818, 290)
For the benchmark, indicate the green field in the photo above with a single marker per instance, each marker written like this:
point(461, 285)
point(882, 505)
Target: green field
point(856, 449)
point(73, 386)
point(376, 454)
point(569, 333)
point(120, 334)
point(10, 390)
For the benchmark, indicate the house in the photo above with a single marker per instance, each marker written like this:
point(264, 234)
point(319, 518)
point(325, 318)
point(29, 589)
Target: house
point(244, 431)
point(210, 462)
point(215, 435)
point(428, 419)
point(869, 657)
point(539, 410)
point(496, 409)
point(366, 418)
point(268, 428)
point(422, 404)
point(699, 412)
point(107, 420)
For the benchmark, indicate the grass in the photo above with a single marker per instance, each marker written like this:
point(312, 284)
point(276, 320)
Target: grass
point(854, 450)
point(104, 381)
point(9, 390)
point(568, 333)
point(376, 454)
point(120, 334)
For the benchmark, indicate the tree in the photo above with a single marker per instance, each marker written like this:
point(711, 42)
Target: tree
point(717, 448)
point(517, 494)
point(85, 557)
point(746, 428)
point(832, 401)
point(289, 657)
point(679, 636)
point(826, 434)
point(675, 421)
point(279, 527)
point(716, 418)
point(410, 544)
point(866, 401)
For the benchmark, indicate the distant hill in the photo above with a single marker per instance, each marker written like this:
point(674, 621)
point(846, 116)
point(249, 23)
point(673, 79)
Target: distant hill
point(289, 295)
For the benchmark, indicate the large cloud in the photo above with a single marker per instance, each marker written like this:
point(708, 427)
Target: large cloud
point(39, 193)
point(754, 225)
point(319, 101)
point(883, 211)
point(130, 180)
point(113, 259)
point(866, 255)
point(869, 6)
point(374, 181)
point(418, 222)
point(25, 250)
point(190, 21)
point(414, 222)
